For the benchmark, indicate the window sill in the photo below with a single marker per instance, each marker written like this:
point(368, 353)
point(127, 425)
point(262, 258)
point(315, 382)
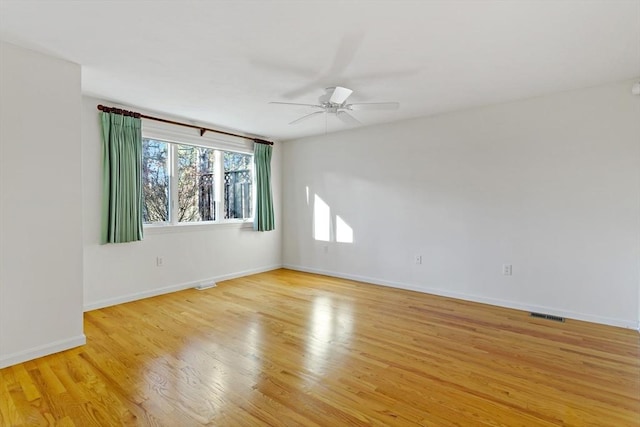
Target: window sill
point(151, 229)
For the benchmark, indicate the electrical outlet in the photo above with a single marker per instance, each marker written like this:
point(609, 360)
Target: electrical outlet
point(418, 259)
point(159, 261)
point(507, 270)
point(325, 249)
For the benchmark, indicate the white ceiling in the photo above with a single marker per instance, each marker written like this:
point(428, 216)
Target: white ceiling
point(221, 62)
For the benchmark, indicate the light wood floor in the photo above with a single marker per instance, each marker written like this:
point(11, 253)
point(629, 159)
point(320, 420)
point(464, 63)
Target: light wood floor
point(291, 349)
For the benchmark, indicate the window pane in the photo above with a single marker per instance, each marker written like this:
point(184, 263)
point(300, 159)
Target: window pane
point(155, 181)
point(196, 194)
point(238, 191)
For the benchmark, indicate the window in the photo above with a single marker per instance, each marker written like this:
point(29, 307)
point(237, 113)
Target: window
point(187, 183)
point(196, 193)
point(155, 181)
point(238, 178)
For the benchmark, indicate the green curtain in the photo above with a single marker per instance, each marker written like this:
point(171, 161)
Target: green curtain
point(122, 178)
point(263, 219)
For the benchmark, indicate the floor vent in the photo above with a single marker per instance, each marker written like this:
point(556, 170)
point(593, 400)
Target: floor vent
point(205, 285)
point(548, 317)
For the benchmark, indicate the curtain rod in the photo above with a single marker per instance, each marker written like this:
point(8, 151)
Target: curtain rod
point(157, 119)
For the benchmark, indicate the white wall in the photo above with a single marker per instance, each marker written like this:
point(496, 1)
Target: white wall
point(550, 185)
point(40, 205)
point(116, 273)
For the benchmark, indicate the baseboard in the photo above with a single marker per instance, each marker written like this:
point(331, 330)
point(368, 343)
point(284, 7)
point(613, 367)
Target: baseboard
point(42, 350)
point(473, 298)
point(174, 288)
point(246, 273)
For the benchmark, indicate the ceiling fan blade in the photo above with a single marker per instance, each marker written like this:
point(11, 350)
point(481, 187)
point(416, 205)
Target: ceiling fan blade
point(308, 116)
point(349, 45)
point(297, 104)
point(374, 106)
point(348, 118)
point(306, 88)
point(340, 94)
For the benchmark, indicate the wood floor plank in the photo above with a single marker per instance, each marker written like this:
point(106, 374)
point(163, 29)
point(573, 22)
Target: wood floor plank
point(9, 414)
point(286, 348)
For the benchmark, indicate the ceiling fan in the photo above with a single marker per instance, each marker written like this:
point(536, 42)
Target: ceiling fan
point(334, 101)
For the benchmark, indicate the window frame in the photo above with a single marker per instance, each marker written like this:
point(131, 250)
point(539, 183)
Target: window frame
point(186, 136)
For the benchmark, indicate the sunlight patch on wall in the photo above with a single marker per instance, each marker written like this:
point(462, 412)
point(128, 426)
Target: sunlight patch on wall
point(321, 220)
point(344, 233)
